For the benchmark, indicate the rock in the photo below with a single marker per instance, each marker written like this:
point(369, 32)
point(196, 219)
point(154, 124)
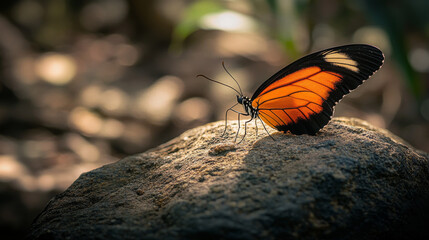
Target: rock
point(350, 181)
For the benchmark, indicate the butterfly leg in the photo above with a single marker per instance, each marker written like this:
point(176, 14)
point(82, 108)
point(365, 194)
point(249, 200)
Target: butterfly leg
point(245, 129)
point(256, 126)
point(265, 128)
point(226, 118)
point(239, 114)
point(236, 135)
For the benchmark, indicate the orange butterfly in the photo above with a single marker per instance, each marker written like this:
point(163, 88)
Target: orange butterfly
point(300, 98)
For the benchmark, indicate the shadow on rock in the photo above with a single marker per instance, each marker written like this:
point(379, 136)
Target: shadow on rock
point(350, 181)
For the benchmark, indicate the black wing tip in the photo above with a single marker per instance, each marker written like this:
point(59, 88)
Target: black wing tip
point(359, 47)
point(308, 126)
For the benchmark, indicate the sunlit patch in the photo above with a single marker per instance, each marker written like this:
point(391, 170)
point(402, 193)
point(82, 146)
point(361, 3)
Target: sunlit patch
point(419, 59)
point(228, 21)
point(90, 96)
point(156, 103)
point(221, 149)
point(45, 182)
point(342, 60)
point(85, 121)
point(87, 151)
point(114, 101)
point(58, 69)
point(192, 110)
point(112, 129)
point(11, 168)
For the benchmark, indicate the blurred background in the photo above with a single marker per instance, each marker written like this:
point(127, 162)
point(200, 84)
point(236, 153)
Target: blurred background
point(85, 83)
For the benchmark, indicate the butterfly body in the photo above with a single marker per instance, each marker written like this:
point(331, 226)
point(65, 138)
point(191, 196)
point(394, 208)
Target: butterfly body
point(247, 105)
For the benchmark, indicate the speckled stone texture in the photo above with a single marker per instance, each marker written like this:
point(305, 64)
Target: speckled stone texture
point(350, 181)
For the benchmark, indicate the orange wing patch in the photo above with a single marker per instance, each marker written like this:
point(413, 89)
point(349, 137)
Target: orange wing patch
point(296, 96)
point(296, 76)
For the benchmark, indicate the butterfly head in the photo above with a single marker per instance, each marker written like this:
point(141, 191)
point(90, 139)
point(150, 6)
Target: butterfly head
point(240, 99)
point(243, 100)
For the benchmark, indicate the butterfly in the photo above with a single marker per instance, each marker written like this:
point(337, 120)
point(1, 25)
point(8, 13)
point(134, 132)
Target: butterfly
point(300, 98)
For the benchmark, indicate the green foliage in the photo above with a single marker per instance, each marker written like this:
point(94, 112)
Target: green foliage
point(191, 20)
point(381, 16)
point(289, 21)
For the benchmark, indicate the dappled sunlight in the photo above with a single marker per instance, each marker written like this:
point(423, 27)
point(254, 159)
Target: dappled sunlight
point(86, 83)
point(85, 121)
point(229, 21)
point(54, 68)
point(90, 95)
point(192, 112)
point(114, 101)
point(419, 59)
point(82, 148)
point(157, 102)
point(10, 168)
point(374, 36)
point(112, 129)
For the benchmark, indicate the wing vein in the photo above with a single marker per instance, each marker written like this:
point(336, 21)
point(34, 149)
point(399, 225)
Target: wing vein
point(288, 116)
point(290, 95)
point(277, 123)
point(277, 116)
point(289, 83)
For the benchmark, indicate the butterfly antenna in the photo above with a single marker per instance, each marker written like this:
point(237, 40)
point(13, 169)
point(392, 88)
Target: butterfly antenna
point(200, 75)
point(226, 70)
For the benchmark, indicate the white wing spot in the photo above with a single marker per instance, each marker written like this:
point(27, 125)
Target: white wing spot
point(342, 60)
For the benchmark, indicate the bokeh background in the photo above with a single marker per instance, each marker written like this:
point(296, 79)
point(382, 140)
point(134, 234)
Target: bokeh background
point(85, 83)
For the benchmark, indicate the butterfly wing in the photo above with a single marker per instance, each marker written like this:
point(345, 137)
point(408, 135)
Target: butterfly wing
point(300, 98)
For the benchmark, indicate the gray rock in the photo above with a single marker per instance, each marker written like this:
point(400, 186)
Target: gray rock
point(350, 181)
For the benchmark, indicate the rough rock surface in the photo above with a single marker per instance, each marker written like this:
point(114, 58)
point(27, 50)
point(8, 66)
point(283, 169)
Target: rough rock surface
point(350, 181)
